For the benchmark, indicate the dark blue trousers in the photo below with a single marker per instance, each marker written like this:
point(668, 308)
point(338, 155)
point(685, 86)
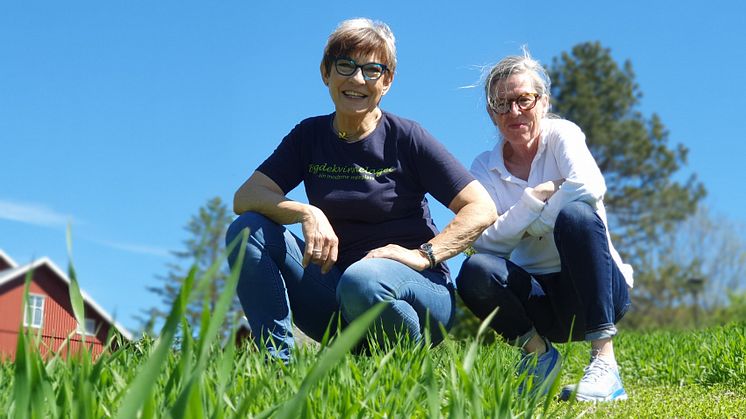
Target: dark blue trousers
point(583, 301)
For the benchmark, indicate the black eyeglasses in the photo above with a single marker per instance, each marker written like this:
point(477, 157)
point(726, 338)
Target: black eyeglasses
point(347, 67)
point(525, 102)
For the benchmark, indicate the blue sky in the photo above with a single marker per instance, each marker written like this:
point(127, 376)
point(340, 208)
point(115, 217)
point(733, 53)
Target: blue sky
point(124, 119)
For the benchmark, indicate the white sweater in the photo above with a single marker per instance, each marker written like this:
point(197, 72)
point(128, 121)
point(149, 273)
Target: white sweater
point(562, 154)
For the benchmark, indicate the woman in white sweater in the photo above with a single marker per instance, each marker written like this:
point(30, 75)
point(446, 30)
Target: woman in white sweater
point(547, 262)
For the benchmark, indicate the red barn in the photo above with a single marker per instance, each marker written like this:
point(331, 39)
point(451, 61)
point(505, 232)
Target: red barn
point(48, 311)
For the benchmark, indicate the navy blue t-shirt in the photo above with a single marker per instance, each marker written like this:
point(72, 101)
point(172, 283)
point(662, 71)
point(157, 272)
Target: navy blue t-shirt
point(373, 190)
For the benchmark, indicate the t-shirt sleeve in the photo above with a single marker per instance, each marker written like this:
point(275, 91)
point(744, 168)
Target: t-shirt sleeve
point(441, 175)
point(285, 165)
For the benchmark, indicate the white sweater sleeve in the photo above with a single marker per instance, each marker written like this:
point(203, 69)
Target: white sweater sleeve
point(505, 234)
point(583, 179)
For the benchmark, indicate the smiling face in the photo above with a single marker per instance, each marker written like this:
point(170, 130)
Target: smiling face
point(353, 96)
point(519, 128)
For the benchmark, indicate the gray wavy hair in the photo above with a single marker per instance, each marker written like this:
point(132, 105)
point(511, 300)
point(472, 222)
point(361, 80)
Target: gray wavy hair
point(517, 64)
point(361, 36)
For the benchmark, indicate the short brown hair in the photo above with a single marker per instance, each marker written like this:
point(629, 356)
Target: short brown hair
point(361, 36)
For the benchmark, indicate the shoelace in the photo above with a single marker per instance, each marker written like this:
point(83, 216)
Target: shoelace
point(596, 370)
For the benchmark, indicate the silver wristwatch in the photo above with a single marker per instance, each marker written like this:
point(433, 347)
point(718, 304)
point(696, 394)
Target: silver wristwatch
point(427, 250)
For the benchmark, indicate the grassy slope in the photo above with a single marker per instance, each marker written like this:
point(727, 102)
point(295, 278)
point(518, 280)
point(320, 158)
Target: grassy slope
point(674, 374)
point(667, 374)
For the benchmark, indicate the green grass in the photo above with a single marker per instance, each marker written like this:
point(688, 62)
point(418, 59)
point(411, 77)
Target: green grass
point(667, 374)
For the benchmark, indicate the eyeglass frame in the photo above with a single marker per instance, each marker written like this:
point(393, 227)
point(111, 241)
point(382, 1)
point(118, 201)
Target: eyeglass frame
point(335, 59)
point(509, 103)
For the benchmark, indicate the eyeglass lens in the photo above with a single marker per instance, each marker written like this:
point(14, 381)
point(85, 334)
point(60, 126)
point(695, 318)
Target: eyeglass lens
point(525, 102)
point(347, 67)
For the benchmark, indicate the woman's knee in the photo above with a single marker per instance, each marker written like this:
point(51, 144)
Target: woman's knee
point(262, 231)
point(248, 220)
point(479, 273)
point(578, 220)
point(254, 222)
point(359, 287)
point(576, 213)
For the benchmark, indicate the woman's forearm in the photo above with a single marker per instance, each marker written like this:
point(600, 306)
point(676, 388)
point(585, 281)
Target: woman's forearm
point(474, 211)
point(261, 194)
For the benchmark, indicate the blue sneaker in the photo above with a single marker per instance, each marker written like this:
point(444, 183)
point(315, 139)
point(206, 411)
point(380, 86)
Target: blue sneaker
point(538, 372)
point(600, 383)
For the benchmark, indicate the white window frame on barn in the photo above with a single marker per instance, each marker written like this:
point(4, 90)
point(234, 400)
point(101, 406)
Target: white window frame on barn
point(34, 305)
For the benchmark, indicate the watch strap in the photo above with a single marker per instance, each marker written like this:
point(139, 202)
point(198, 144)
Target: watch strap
point(427, 250)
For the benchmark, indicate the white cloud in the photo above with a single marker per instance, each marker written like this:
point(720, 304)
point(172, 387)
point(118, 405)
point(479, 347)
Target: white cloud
point(40, 215)
point(29, 213)
point(136, 248)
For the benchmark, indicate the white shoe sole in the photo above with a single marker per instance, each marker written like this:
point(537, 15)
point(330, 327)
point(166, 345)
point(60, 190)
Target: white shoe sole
point(610, 398)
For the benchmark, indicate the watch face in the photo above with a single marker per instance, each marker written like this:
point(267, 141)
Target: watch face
point(426, 247)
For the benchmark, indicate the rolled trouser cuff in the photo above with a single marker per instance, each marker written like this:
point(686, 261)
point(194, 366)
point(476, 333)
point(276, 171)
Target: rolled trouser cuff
point(604, 332)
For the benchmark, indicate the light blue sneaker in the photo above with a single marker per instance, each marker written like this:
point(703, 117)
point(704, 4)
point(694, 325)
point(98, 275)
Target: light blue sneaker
point(539, 372)
point(600, 383)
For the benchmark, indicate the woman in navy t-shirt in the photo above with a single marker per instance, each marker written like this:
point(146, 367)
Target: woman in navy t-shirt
point(367, 231)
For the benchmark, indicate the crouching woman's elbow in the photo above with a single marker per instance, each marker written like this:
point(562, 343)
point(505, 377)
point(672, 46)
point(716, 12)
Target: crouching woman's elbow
point(490, 213)
point(481, 210)
point(485, 206)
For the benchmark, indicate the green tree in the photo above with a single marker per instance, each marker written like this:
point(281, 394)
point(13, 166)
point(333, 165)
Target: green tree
point(644, 199)
point(699, 269)
point(202, 248)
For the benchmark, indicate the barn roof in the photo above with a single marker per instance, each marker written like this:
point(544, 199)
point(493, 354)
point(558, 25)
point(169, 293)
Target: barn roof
point(13, 273)
point(6, 260)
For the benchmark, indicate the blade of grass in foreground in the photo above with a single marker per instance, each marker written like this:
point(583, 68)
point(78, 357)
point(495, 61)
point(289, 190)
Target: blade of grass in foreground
point(76, 298)
point(471, 355)
point(142, 386)
point(224, 365)
point(346, 340)
point(209, 335)
point(23, 381)
point(190, 395)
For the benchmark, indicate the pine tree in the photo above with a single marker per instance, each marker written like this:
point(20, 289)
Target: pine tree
point(643, 199)
point(204, 246)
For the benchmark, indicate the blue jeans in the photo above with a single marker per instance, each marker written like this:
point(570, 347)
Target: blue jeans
point(581, 302)
point(275, 290)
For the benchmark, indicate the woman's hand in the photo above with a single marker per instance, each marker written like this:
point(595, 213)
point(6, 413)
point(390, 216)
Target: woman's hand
point(321, 241)
point(410, 257)
point(544, 191)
